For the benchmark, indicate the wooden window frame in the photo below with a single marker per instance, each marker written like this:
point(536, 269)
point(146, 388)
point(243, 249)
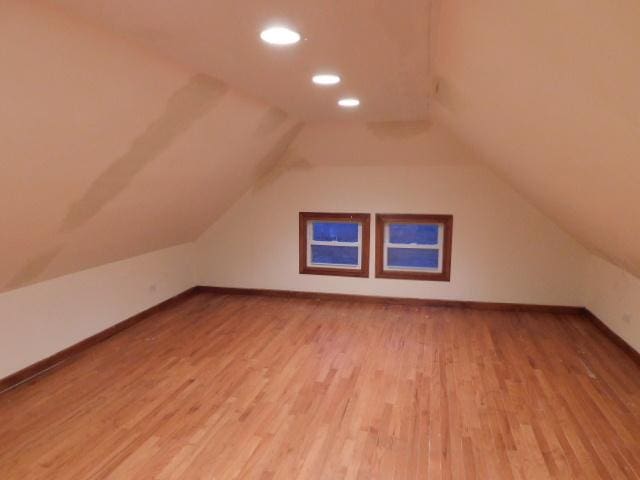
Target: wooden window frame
point(445, 220)
point(363, 218)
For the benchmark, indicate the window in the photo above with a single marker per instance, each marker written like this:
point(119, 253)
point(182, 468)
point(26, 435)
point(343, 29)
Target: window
point(334, 244)
point(416, 247)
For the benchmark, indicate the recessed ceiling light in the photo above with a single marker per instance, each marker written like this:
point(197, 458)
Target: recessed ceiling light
point(326, 79)
point(280, 36)
point(349, 102)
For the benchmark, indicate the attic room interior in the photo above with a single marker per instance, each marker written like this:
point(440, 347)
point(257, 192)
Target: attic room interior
point(320, 240)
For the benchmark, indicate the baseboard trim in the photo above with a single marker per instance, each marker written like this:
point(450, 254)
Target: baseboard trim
point(613, 336)
point(63, 356)
point(424, 302)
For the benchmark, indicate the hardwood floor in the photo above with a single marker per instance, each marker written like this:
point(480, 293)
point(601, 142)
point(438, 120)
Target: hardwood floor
point(231, 386)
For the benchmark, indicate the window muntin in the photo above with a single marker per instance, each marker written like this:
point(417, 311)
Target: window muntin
point(334, 244)
point(413, 246)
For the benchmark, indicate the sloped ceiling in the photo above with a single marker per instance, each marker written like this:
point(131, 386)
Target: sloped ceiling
point(130, 126)
point(380, 48)
point(109, 151)
point(548, 93)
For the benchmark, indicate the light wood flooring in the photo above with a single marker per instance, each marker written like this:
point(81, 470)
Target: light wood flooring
point(251, 387)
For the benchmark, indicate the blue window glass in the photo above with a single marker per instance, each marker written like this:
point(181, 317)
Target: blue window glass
point(412, 257)
point(328, 254)
point(407, 233)
point(335, 231)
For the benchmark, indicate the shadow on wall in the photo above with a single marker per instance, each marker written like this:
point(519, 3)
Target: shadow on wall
point(447, 95)
point(398, 130)
point(184, 108)
point(271, 121)
point(280, 158)
point(33, 268)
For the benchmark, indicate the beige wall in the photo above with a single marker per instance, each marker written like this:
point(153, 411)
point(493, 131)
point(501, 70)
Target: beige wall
point(613, 295)
point(503, 249)
point(42, 319)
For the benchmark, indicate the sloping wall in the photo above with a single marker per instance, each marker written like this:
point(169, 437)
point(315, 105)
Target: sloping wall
point(547, 93)
point(108, 151)
point(503, 249)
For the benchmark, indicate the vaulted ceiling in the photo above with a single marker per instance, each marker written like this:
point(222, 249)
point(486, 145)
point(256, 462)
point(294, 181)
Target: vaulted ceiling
point(130, 126)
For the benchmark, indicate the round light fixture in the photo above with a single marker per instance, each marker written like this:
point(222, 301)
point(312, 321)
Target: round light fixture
point(349, 102)
point(280, 36)
point(326, 79)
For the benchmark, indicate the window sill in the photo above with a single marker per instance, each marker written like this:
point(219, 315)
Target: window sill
point(338, 272)
point(433, 277)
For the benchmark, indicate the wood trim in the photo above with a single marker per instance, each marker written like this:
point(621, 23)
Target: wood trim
point(613, 336)
point(418, 302)
point(63, 356)
point(303, 219)
point(446, 220)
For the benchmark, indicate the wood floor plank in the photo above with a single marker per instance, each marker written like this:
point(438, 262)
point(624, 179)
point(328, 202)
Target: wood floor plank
point(237, 386)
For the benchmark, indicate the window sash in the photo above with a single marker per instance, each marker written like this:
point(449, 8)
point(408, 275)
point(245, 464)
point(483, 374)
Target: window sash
point(311, 241)
point(437, 246)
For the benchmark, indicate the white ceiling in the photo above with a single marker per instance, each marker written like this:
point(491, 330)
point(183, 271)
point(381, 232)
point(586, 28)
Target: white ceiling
point(379, 47)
